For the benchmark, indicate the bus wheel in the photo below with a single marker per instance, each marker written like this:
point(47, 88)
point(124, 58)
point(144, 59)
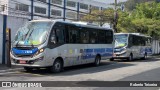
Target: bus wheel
point(145, 56)
point(130, 58)
point(111, 59)
point(97, 61)
point(57, 66)
point(28, 69)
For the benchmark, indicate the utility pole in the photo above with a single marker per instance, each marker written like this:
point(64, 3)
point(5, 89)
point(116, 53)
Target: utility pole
point(115, 16)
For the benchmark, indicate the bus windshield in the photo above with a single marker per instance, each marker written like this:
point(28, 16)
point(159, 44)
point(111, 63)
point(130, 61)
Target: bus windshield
point(121, 40)
point(32, 33)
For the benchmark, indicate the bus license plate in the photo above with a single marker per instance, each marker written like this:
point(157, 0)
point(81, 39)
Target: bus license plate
point(22, 62)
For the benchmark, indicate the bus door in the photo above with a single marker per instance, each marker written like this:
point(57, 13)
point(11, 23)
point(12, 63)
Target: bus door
point(57, 42)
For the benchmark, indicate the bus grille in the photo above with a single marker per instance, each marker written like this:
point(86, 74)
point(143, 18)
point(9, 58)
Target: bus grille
point(25, 56)
point(24, 48)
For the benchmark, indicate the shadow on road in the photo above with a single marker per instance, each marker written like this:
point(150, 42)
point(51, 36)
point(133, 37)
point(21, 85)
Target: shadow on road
point(83, 69)
point(147, 60)
point(150, 59)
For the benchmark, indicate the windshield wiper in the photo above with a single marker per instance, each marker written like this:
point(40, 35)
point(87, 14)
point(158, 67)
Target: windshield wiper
point(30, 37)
point(18, 42)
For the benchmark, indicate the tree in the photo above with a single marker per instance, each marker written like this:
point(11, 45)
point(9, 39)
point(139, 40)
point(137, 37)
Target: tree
point(144, 19)
point(100, 17)
point(131, 4)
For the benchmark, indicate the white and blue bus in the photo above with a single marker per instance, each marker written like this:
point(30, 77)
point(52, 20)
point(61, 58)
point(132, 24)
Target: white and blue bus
point(57, 44)
point(131, 46)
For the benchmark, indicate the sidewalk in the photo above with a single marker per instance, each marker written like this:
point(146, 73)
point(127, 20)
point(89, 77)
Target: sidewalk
point(4, 68)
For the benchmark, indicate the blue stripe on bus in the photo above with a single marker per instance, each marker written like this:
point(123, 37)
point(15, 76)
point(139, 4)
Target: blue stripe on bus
point(91, 53)
point(146, 50)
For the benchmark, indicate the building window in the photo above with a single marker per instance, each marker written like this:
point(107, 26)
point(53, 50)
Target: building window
point(81, 16)
point(42, 1)
point(3, 7)
point(22, 7)
point(56, 12)
point(83, 6)
point(95, 7)
point(59, 2)
point(71, 14)
point(71, 3)
point(40, 10)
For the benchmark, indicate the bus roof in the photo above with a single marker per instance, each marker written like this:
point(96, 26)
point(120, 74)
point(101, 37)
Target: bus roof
point(81, 24)
point(137, 34)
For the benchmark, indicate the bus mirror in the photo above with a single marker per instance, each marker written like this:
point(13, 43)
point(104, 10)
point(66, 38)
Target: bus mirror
point(52, 39)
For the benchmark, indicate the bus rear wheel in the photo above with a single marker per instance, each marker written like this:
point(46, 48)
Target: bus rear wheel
point(57, 66)
point(130, 58)
point(144, 57)
point(111, 59)
point(97, 61)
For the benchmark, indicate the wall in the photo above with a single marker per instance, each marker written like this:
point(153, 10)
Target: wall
point(12, 22)
point(156, 47)
point(1, 36)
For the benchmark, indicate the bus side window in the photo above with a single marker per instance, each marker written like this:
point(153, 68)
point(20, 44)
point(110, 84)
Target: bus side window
point(73, 34)
point(84, 35)
point(130, 41)
point(93, 36)
point(101, 36)
point(109, 37)
point(57, 33)
point(52, 37)
point(135, 40)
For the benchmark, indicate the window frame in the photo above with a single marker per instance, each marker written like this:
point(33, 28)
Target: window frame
point(20, 7)
point(69, 3)
point(40, 11)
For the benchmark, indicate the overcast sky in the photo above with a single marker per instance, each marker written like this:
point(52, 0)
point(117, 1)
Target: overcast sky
point(110, 1)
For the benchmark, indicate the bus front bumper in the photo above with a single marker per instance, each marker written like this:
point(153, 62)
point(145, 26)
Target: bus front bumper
point(120, 55)
point(38, 61)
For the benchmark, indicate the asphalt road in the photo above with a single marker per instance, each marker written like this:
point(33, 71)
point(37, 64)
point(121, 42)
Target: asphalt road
point(137, 70)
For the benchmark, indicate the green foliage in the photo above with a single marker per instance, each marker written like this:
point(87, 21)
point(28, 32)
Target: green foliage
point(144, 19)
point(100, 17)
point(131, 4)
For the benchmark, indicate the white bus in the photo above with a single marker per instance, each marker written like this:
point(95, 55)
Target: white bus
point(131, 45)
point(57, 44)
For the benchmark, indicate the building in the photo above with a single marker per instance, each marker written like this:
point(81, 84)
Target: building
point(59, 9)
point(21, 11)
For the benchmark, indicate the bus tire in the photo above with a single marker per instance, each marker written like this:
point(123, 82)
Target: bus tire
point(111, 59)
point(28, 69)
point(145, 56)
point(97, 61)
point(130, 58)
point(57, 66)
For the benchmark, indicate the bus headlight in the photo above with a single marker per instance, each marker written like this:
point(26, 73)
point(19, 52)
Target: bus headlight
point(39, 51)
